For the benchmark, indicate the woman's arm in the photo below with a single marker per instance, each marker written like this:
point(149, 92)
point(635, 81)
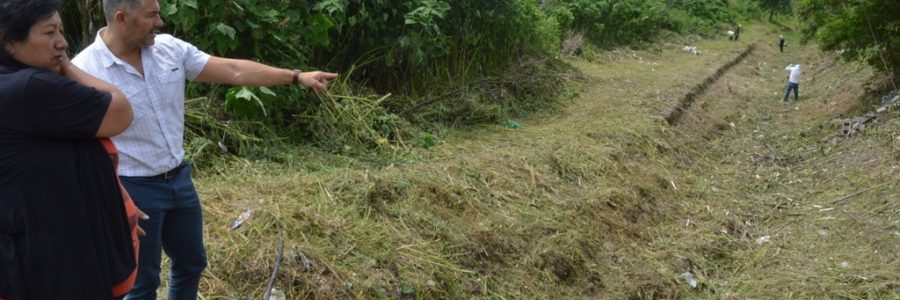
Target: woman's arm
point(118, 116)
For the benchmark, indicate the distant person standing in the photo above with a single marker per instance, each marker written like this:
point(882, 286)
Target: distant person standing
point(737, 32)
point(793, 82)
point(781, 43)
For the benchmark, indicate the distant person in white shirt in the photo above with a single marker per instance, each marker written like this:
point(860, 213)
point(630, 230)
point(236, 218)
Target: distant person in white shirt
point(151, 70)
point(793, 82)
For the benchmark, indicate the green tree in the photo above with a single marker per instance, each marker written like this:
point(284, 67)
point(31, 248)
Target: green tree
point(775, 6)
point(82, 18)
point(867, 30)
point(700, 16)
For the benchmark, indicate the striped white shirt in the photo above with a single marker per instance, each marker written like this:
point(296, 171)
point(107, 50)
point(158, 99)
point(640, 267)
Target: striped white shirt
point(153, 144)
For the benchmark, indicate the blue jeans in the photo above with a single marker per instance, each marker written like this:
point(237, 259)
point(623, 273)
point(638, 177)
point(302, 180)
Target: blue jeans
point(176, 226)
point(792, 86)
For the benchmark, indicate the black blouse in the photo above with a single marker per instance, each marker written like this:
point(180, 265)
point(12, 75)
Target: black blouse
point(63, 229)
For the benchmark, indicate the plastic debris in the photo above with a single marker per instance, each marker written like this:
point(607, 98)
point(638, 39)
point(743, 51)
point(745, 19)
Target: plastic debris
point(513, 124)
point(853, 126)
point(241, 219)
point(691, 49)
point(763, 239)
point(845, 265)
point(277, 295)
point(890, 97)
point(430, 283)
point(690, 279)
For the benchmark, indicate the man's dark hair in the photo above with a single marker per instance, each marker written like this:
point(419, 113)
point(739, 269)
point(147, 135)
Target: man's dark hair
point(16, 19)
point(111, 6)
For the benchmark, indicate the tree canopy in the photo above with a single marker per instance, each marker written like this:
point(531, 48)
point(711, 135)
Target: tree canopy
point(860, 29)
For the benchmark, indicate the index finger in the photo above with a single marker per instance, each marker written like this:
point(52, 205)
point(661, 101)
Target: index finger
point(327, 75)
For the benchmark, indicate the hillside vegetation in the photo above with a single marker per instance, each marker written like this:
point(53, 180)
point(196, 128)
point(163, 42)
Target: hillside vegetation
point(602, 199)
point(412, 70)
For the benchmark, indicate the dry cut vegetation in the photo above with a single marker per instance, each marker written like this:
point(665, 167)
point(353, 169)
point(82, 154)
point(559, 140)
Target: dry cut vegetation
point(601, 200)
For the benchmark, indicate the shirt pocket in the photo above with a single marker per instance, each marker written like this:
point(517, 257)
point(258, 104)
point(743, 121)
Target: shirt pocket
point(171, 82)
point(169, 74)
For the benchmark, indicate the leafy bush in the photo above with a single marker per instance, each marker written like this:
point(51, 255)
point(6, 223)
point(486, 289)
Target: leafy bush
point(699, 16)
point(280, 32)
point(396, 45)
point(413, 43)
point(864, 30)
point(611, 22)
point(496, 57)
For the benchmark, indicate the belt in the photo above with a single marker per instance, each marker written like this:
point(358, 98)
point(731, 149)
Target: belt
point(171, 173)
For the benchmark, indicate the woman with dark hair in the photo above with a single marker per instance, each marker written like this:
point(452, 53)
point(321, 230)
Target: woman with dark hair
point(64, 230)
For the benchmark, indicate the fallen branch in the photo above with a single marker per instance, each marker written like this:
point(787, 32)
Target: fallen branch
point(845, 198)
point(430, 101)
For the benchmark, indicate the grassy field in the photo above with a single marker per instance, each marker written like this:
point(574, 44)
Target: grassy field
point(604, 199)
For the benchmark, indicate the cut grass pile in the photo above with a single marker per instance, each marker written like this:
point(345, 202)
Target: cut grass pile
point(600, 200)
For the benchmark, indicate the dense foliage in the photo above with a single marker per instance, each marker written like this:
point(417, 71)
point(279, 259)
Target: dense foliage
point(394, 43)
point(860, 29)
point(444, 62)
point(702, 16)
point(611, 22)
point(775, 6)
point(403, 44)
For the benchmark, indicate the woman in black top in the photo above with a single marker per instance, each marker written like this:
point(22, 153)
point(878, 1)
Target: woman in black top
point(63, 229)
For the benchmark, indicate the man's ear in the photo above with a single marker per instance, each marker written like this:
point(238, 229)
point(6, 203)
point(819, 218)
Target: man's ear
point(119, 17)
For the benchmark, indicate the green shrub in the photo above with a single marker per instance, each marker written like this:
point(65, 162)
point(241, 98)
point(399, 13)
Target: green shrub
point(860, 30)
point(498, 56)
point(608, 22)
point(699, 16)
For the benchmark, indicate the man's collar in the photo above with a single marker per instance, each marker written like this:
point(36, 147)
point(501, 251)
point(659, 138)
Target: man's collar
point(106, 57)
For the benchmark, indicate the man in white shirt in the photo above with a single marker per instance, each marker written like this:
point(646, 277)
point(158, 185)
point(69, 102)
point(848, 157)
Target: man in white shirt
point(793, 82)
point(151, 70)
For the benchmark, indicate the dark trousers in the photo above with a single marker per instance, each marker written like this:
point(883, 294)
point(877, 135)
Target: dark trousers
point(792, 86)
point(175, 226)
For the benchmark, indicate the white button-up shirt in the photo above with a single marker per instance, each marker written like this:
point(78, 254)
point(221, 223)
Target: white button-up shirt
point(153, 144)
point(795, 73)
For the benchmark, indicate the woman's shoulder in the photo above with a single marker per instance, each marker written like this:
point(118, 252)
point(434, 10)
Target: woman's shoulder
point(40, 78)
point(28, 74)
point(32, 82)
point(11, 72)
point(13, 80)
